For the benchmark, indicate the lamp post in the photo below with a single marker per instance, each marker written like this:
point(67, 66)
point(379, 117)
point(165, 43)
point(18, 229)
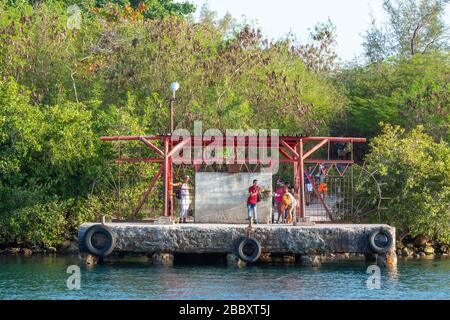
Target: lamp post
point(174, 86)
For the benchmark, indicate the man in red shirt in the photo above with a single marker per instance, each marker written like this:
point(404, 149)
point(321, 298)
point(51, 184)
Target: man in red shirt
point(253, 200)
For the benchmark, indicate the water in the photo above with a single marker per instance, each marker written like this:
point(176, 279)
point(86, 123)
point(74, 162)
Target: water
point(44, 277)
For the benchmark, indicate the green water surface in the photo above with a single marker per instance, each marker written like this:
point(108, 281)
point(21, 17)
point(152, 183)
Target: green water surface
point(45, 277)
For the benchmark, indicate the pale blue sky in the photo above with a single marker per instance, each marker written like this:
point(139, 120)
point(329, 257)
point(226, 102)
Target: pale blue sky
point(278, 17)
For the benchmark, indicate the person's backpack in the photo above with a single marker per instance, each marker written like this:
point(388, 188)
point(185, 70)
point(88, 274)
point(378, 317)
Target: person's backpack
point(259, 197)
point(293, 200)
point(178, 193)
point(287, 199)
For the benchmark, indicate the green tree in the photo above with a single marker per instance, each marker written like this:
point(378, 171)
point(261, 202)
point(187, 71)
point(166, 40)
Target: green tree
point(319, 55)
point(227, 73)
point(403, 91)
point(415, 171)
point(152, 9)
point(412, 27)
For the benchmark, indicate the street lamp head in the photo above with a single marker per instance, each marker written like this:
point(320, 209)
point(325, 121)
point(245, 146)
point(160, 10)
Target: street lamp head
point(174, 86)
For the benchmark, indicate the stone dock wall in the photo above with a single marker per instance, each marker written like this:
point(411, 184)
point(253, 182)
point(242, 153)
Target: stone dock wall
point(223, 238)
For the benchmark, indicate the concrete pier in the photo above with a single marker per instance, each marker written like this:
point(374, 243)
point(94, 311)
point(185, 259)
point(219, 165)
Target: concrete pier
point(307, 243)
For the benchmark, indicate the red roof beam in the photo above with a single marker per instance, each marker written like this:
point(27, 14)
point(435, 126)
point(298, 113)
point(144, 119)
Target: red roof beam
point(201, 138)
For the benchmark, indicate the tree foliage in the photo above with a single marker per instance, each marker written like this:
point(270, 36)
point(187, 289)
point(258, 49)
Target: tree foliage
point(62, 88)
point(415, 170)
point(150, 9)
point(406, 92)
point(320, 54)
point(412, 27)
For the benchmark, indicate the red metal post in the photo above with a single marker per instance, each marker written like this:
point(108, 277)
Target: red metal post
point(296, 186)
point(301, 173)
point(166, 169)
point(169, 167)
point(171, 204)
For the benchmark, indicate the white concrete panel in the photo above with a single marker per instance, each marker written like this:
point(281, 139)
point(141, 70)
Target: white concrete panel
point(222, 197)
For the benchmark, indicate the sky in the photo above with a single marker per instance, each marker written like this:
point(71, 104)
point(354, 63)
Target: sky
point(276, 18)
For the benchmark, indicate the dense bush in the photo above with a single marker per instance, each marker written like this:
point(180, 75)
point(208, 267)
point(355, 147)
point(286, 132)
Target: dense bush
point(41, 223)
point(416, 176)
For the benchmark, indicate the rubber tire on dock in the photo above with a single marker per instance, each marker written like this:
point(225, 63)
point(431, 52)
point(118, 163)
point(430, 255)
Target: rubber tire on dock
point(375, 243)
point(104, 248)
point(255, 250)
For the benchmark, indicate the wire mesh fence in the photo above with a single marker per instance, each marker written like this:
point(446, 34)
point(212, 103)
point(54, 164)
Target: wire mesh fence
point(341, 193)
point(337, 192)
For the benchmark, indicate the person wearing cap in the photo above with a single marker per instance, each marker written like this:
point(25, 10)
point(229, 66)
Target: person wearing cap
point(185, 198)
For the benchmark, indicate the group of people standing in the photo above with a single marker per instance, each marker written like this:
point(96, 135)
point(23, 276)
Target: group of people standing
point(284, 201)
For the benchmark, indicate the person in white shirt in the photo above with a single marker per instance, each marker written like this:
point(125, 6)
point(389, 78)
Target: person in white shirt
point(185, 198)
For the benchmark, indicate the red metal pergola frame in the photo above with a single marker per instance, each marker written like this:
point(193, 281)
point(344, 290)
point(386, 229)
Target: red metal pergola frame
point(290, 148)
